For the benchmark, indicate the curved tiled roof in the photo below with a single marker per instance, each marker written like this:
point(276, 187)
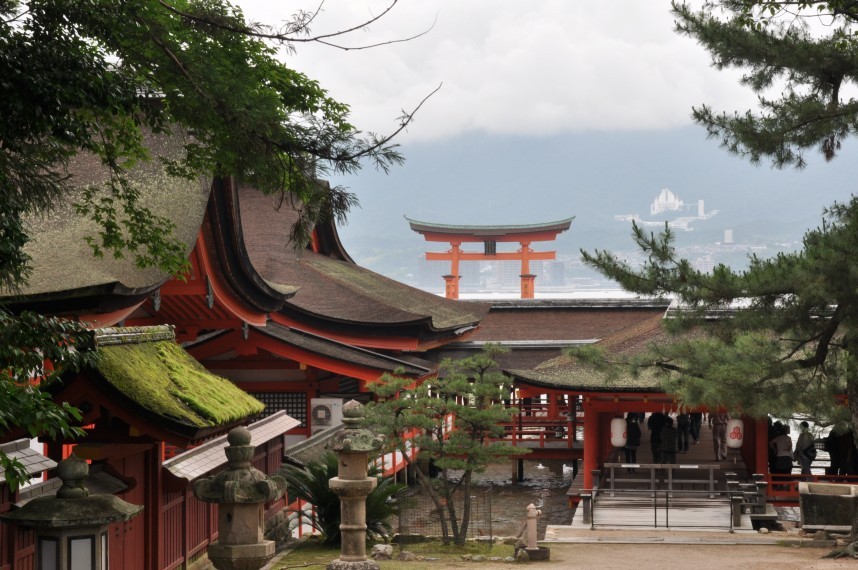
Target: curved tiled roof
point(563, 320)
point(344, 352)
point(564, 372)
point(333, 289)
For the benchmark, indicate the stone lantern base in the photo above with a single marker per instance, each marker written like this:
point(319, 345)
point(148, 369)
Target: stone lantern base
point(362, 565)
point(241, 556)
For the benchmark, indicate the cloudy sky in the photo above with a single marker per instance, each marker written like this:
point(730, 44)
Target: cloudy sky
point(534, 68)
point(547, 109)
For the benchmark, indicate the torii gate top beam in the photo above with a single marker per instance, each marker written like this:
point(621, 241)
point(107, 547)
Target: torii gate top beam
point(448, 233)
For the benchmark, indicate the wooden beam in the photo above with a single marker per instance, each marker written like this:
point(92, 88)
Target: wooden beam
point(502, 256)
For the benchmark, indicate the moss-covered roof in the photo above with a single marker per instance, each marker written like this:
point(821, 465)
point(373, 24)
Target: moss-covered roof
point(165, 380)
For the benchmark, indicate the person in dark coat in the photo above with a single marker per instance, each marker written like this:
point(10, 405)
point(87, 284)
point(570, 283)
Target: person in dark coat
point(696, 425)
point(655, 423)
point(683, 427)
point(633, 439)
point(840, 446)
point(667, 445)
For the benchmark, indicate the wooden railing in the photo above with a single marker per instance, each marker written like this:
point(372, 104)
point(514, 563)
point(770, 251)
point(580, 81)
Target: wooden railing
point(540, 424)
point(662, 473)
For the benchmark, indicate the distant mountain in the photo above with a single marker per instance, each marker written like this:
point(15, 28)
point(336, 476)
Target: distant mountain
point(483, 179)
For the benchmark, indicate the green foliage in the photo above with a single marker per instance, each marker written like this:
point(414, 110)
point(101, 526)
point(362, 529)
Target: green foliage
point(776, 338)
point(809, 48)
point(311, 483)
point(27, 341)
point(93, 78)
point(457, 415)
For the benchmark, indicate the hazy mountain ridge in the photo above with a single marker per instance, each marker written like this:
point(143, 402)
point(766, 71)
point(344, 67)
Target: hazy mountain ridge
point(480, 179)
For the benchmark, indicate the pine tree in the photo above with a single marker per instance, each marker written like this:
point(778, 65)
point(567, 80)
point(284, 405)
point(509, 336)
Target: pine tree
point(782, 336)
point(458, 417)
point(808, 50)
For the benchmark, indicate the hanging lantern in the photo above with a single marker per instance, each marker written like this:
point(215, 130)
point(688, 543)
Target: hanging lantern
point(618, 432)
point(735, 433)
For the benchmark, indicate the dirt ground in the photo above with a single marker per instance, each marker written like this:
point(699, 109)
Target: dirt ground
point(617, 556)
point(666, 556)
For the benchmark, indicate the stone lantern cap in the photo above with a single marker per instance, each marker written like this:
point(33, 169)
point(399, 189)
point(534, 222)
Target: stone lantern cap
point(240, 482)
point(353, 438)
point(73, 506)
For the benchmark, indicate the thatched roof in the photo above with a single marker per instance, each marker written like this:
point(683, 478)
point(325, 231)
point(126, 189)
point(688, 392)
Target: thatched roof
point(63, 265)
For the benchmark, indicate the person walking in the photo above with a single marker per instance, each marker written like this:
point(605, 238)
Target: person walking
point(782, 445)
point(683, 427)
point(667, 446)
point(719, 434)
point(696, 425)
point(633, 440)
point(805, 452)
point(655, 423)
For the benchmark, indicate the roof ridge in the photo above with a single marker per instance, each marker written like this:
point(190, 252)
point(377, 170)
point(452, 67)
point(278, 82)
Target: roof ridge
point(109, 336)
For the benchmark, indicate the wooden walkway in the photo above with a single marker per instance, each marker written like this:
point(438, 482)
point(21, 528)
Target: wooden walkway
point(678, 513)
point(690, 506)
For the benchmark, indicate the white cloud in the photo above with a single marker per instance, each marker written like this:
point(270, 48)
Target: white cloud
point(535, 67)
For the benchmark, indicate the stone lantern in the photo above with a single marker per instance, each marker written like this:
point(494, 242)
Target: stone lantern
point(241, 492)
point(71, 528)
point(353, 445)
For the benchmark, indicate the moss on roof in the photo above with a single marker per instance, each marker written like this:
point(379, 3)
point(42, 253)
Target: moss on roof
point(164, 379)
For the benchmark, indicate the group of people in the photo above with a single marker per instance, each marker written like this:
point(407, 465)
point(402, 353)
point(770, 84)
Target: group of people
point(669, 437)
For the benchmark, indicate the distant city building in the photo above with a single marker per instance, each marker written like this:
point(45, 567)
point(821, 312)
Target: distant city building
point(667, 202)
point(705, 264)
point(728, 236)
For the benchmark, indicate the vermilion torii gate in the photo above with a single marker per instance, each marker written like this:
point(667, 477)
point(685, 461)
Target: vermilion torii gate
point(524, 235)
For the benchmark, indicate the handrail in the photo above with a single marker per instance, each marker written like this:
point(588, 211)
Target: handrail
point(669, 468)
point(661, 503)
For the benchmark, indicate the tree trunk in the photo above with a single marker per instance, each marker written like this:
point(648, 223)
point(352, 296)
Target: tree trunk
point(426, 484)
point(451, 512)
point(466, 507)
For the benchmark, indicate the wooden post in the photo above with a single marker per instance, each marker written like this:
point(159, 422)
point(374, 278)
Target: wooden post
point(591, 445)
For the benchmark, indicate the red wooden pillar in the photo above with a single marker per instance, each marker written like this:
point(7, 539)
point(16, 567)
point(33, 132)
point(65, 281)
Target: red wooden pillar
point(527, 285)
point(591, 444)
point(451, 281)
point(527, 278)
point(451, 286)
